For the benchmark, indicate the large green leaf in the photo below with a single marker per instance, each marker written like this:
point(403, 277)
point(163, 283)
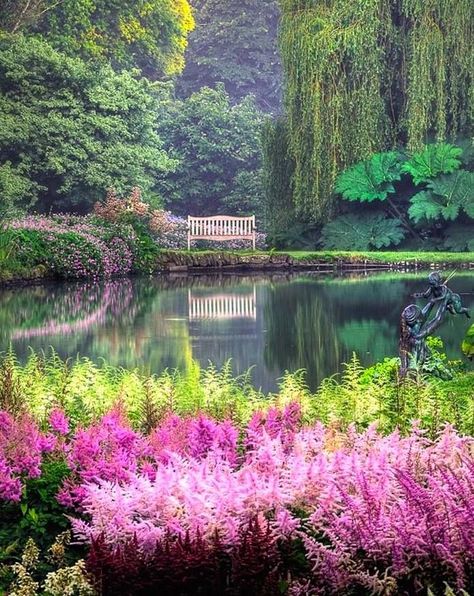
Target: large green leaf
point(362, 232)
point(435, 159)
point(459, 238)
point(372, 179)
point(446, 196)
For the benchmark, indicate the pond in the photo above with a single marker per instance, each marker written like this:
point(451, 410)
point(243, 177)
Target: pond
point(272, 323)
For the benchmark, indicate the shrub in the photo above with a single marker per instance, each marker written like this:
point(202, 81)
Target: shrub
point(74, 247)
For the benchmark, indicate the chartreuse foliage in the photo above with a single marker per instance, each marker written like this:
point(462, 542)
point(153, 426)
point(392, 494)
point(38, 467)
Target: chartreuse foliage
point(148, 34)
point(364, 76)
point(87, 391)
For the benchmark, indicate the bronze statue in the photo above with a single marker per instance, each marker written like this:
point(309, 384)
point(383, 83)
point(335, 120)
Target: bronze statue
point(415, 326)
point(439, 292)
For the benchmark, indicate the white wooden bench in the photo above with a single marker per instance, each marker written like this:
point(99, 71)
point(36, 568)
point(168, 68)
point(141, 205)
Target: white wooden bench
point(221, 227)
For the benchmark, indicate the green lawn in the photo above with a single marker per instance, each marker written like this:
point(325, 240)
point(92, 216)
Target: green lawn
point(384, 256)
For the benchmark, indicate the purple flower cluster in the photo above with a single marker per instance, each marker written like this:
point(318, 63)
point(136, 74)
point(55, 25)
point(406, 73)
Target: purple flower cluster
point(77, 247)
point(22, 446)
point(369, 513)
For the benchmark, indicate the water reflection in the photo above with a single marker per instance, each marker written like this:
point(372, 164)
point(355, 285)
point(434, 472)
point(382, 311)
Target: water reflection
point(273, 323)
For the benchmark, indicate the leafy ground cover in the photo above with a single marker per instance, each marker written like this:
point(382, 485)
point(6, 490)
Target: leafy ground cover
point(182, 481)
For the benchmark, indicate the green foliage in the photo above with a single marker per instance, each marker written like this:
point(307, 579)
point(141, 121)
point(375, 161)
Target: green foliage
point(362, 232)
point(281, 227)
point(435, 159)
point(372, 179)
point(468, 343)
point(445, 197)
point(217, 147)
point(38, 515)
point(148, 34)
point(69, 131)
point(363, 77)
point(359, 396)
point(459, 237)
point(235, 43)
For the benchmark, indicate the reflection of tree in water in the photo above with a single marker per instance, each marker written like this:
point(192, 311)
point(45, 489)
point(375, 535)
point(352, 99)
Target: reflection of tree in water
point(301, 331)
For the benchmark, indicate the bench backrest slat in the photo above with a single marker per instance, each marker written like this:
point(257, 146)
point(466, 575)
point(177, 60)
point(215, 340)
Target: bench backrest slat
point(225, 227)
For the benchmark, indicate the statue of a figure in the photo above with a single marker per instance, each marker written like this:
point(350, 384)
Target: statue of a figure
point(414, 329)
point(439, 292)
point(415, 326)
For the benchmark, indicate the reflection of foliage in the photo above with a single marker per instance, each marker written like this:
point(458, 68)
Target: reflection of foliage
point(362, 232)
point(367, 337)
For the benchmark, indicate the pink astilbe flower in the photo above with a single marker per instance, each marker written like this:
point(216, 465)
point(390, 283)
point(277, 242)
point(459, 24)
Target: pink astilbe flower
point(22, 446)
point(59, 422)
point(370, 508)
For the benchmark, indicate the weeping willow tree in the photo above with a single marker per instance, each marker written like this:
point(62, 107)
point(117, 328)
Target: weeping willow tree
point(365, 75)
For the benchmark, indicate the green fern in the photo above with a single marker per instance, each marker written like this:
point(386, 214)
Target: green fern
point(435, 159)
point(372, 179)
point(444, 198)
point(362, 232)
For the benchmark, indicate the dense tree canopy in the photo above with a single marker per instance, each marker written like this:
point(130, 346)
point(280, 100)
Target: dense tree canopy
point(362, 76)
point(69, 130)
point(235, 43)
point(218, 149)
point(148, 34)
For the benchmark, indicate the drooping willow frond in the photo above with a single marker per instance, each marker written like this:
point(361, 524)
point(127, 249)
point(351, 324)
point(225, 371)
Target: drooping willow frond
point(364, 76)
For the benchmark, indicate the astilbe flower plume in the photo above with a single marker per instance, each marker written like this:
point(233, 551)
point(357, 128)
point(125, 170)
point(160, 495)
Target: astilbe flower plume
point(393, 512)
point(22, 446)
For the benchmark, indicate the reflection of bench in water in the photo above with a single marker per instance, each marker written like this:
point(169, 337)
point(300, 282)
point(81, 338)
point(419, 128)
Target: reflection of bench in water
point(222, 306)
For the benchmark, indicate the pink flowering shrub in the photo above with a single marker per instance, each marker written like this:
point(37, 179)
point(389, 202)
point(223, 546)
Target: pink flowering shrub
point(75, 247)
point(331, 512)
point(22, 446)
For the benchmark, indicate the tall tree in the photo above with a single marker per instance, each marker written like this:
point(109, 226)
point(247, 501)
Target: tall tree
point(148, 34)
point(70, 130)
point(367, 75)
point(217, 147)
point(235, 43)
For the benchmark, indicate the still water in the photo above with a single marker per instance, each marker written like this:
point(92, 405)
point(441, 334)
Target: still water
point(271, 323)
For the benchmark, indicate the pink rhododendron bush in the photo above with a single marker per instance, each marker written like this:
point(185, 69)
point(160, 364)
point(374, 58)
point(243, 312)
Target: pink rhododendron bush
point(312, 509)
point(73, 246)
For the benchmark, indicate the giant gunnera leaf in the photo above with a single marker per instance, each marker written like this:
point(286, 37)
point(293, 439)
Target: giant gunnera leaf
point(444, 198)
point(435, 159)
point(372, 179)
point(362, 232)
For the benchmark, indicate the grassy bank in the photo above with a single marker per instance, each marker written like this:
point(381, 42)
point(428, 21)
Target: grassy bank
point(72, 247)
